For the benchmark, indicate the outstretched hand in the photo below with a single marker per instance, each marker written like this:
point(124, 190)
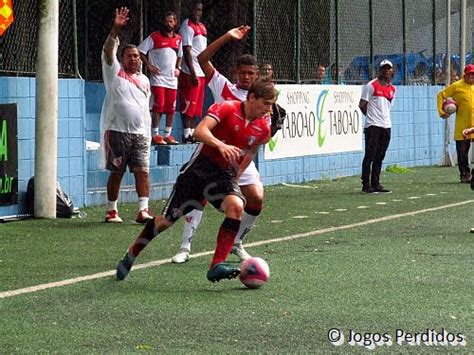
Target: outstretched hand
point(239, 33)
point(121, 17)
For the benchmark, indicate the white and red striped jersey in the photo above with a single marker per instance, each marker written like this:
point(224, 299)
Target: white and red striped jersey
point(194, 35)
point(163, 52)
point(223, 90)
point(380, 100)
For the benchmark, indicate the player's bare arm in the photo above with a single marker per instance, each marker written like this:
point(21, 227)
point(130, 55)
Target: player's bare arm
point(246, 160)
point(204, 134)
point(121, 19)
point(177, 69)
point(188, 59)
point(153, 69)
point(363, 106)
point(206, 55)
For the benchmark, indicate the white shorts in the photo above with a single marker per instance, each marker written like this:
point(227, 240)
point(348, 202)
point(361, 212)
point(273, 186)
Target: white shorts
point(250, 176)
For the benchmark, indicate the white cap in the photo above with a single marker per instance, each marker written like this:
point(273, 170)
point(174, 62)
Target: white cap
point(385, 62)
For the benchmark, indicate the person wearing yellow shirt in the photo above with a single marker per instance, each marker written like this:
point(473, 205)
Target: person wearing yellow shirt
point(462, 91)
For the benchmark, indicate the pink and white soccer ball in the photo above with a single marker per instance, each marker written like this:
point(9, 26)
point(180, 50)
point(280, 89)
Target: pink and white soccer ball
point(450, 106)
point(254, 272)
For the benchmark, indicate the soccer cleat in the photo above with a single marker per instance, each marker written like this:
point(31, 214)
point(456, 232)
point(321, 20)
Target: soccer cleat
point(170, 140)
point(112, 217)
point(181, 256)
point(368, 190)
point(143, 216)
point(380, 188)
point(472, 181)
point(238, 249)
point(187, 140)
point(124, 266)
point(222, 271)
point(158, 140)
point(472, 230)
point(465, 178)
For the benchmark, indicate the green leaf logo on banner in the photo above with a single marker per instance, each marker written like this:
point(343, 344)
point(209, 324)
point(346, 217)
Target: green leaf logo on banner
point(319, 116)
point(272, 144)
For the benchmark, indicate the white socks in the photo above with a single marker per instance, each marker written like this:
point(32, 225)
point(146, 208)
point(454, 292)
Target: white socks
point(142, 203)
point(191, 223)
point(156, 131)
point(112, 205)
point(246, 225)
point(187, 132)
point(167, 131)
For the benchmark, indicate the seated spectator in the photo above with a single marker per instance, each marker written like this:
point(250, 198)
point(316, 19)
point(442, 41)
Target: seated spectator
point(420, 77)
point(320, 74)
point(266, 71)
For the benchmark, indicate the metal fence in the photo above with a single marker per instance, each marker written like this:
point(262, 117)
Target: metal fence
point(348, 38)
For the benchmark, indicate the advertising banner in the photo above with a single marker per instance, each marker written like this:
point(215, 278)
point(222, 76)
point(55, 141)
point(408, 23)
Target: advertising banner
point(321, 119)
point(8, 155)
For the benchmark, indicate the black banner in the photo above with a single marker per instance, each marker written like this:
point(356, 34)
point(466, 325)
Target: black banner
point(8, 155)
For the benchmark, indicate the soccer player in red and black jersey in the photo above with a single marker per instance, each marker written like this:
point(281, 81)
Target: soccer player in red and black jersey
point(249, 181)
point(230, 134)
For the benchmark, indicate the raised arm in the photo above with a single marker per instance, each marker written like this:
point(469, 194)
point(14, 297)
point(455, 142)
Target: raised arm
point(205, 56)
point(110, 45)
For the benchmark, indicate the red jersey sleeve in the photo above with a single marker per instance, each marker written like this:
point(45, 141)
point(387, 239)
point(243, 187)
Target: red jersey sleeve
point(220, 111)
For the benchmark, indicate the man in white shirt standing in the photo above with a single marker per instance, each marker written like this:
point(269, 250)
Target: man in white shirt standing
point(375, 103)
point(162, 52)
point(192, 82)
point(125, 121)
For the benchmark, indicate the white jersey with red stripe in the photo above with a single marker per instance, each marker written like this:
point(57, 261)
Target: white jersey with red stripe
point(380, 100)
point(222, 89)
point(194, 35)
point(163, 52)
point(127, 98)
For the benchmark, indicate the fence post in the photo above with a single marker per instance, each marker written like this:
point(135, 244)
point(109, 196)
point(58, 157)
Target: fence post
point(74, 40)
point(404, 36)
point(336, 34)
point(371, 37)
point(46, 109)
point(447, 154)
point(298, 41)
point(254, 32)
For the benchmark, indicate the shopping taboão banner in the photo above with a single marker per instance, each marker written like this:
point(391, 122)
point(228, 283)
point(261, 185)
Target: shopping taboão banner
point(320, 119)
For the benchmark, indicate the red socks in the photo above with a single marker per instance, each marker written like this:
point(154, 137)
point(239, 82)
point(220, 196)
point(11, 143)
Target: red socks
point(145, 237)
point(225, 240)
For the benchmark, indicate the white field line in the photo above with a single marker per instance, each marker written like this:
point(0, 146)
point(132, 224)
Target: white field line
point(299, 186)
point(100, 275)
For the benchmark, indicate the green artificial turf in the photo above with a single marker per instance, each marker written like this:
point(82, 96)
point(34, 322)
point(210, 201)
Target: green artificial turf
point(392, 265)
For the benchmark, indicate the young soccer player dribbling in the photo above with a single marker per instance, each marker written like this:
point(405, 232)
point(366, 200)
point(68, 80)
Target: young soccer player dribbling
point(230, 135)
point(249, 182)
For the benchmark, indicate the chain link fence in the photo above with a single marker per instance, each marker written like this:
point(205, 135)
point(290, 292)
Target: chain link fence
point(347, 38)
point(18, 44)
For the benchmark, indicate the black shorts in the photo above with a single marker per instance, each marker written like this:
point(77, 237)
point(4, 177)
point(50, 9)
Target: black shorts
point(126, 149)
point(199, 180)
